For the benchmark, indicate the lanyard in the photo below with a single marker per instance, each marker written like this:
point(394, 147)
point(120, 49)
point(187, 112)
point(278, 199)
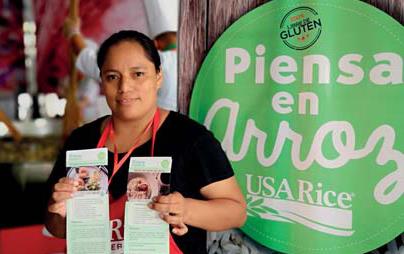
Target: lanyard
point(109, 133)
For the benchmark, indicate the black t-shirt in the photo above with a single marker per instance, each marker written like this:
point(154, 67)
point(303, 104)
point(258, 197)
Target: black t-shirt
point(197, 160)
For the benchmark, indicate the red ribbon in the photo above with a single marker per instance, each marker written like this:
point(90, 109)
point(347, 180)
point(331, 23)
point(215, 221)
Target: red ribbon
point(110, 133)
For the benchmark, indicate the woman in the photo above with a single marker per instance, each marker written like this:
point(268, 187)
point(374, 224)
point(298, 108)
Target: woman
point(203, 186)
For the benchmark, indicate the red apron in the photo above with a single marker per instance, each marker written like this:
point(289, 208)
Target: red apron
point(117, 206)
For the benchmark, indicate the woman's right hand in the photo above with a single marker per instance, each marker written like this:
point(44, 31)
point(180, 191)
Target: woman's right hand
point(62, 191)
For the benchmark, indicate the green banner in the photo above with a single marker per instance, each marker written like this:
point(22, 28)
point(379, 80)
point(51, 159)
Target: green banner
point(307, 98)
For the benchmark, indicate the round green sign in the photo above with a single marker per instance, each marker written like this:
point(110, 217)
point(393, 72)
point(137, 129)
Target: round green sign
point(307, 98)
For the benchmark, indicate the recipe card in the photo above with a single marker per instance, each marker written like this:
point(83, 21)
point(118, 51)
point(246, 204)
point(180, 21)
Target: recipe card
point(87, 223)
point(145, 232)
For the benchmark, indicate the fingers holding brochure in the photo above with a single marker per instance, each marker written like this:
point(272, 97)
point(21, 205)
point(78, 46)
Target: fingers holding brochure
point(179, 227)
point(62, 191)
point(55, 220)
point(172, 209)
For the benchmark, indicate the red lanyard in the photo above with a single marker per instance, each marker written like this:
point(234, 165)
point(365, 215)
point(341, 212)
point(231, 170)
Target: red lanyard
point(109, 133)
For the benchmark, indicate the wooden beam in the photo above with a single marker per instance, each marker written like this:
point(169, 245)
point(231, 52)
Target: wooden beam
point(72, 117)
point(11, 128)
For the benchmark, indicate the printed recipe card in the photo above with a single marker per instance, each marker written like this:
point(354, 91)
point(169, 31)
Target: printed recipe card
point(88, 226)
point(145, 231)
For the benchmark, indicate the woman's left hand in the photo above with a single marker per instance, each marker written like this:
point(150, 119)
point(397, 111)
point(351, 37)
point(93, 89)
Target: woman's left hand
point(172, 209)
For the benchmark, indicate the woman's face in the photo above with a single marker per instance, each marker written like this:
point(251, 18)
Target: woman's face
point(130, 81)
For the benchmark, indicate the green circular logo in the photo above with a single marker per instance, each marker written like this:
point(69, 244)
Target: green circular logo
point(101, 155)
point(165, 164)
point(316, 135)
point(300, 28)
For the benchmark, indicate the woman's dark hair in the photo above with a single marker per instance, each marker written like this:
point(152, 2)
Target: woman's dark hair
point(131, 36)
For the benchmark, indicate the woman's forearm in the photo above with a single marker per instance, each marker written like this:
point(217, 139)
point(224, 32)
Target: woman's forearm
point(215, 214)
point(56, 224)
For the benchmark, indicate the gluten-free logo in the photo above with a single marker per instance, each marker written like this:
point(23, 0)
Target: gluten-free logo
point(300, 28)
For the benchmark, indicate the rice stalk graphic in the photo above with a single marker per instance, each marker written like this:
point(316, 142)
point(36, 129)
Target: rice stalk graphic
point(339, 221)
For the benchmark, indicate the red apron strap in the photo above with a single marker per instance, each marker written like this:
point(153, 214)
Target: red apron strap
point(173, 247)
point(109, 133)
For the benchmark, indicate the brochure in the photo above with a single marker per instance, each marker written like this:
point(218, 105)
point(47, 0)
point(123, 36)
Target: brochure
point(87, 223)
point(145, 232)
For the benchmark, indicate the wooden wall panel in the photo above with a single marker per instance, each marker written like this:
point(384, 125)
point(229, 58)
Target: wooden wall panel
point(224, 13)
point(394, 8)
point(201, 22)
point(191, 47)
